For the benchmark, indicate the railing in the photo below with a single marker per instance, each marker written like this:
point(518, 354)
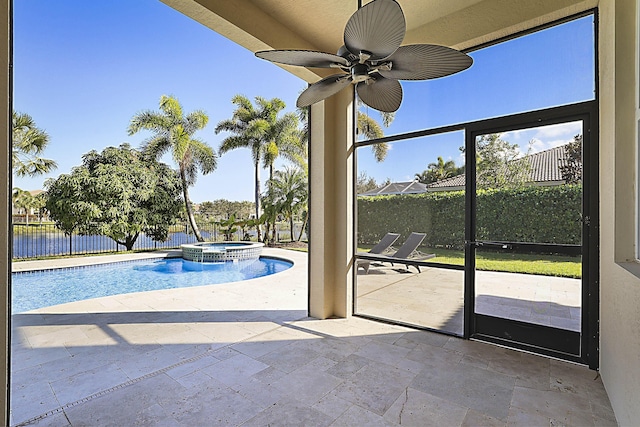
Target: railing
point(43, 240)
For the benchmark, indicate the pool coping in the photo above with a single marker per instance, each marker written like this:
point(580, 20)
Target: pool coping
point(294, 258)
point(80, 261)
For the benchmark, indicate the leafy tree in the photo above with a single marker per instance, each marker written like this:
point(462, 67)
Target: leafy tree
point(39, 204)
point(28, 143)
point(207, 209)
point(268, 136)
point(66, 202)
point(173, 132)
point(224, 209)
point(365, 183)
point(571, 170)
point(499, 163)
point(118, 193)
point(290, 193)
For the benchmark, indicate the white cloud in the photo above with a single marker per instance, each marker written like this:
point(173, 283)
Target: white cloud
point(539, 145)
point(544, 137)
point(514, 136)
point(544, 132)
point(564, 130)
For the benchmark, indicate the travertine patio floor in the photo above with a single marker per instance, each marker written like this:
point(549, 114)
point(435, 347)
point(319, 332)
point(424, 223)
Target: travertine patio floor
point(246, 354)
point(434, 298)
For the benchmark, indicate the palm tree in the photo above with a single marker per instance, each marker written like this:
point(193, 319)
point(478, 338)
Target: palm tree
point(367, 127)
point(423, 177)
point(289, 193)
point(261, 130)
point(371, 129)
point(23, 199)
point(281, 135)
point(173, 131)
point(28, 143)
point(442, 169)
point(438, 170)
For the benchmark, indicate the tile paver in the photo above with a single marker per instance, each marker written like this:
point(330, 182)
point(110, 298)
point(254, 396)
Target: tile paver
point(245, 354)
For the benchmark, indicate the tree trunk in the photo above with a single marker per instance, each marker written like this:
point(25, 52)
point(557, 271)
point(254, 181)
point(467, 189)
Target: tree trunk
point(130, 241)
point(187, 202)
point(275, 236)
point(257, 197)
point(291, 225)
point(304, 225)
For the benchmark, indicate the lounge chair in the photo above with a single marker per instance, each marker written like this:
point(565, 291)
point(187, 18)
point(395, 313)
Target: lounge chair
point(382, 247)
point(384, 244)
point(408, 251)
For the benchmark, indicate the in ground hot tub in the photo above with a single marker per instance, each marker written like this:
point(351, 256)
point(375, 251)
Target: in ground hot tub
point(221, 251)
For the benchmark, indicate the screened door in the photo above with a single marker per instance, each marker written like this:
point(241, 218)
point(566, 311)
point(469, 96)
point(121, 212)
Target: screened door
point(530, 247)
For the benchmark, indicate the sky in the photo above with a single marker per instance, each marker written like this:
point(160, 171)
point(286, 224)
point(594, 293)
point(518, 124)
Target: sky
point(83, 69)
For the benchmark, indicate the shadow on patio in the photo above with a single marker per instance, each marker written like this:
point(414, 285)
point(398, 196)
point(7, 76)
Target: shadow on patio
point(244, 354)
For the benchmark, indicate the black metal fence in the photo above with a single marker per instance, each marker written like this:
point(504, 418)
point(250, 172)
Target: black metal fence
point(43, 240)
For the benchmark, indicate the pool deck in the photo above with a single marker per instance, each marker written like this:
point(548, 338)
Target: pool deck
point(48, 264)
point(245, 353)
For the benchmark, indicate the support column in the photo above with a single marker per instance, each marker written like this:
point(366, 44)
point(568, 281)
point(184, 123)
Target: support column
point(331, 207)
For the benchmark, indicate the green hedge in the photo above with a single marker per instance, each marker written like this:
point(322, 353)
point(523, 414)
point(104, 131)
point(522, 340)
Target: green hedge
point(529, 214)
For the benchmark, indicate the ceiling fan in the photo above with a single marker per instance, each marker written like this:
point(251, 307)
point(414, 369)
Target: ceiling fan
point(373, 59)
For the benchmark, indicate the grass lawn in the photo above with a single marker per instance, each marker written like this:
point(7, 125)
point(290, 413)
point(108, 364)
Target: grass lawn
point(546, 265)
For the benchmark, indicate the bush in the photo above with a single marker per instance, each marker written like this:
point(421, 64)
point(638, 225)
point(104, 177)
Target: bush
point(528, 214)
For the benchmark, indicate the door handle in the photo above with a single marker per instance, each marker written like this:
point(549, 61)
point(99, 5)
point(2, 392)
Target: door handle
point(500, 245)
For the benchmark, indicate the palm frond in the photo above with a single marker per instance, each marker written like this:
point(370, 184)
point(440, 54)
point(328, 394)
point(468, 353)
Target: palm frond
point(234, 142)
point(27, 142)
point(156, 146)
point(368, 127)
point(229, 125)
point(204, 156)
point(171, 107)
point(195, 121)
point(148, 120)
point(380, 151)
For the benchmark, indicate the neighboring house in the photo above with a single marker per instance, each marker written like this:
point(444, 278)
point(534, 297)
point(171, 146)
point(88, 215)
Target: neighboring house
point(545, 171)
point(19, 214)
point(408, 187)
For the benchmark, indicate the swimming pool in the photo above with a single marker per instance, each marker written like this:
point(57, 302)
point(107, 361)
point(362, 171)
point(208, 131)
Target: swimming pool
point(31, 290)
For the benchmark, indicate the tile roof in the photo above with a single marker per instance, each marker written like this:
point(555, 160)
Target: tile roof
point(407, 187)
point(544, 170)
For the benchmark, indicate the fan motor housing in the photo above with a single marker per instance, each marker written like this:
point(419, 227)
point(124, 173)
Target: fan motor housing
point(360, 72)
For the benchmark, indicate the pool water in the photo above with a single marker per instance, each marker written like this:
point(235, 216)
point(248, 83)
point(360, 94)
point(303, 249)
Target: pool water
point(31, 290)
